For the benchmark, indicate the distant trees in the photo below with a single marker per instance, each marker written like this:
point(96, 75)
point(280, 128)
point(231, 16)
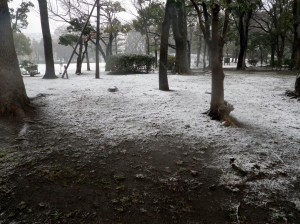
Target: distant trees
point(72, 37)
point(50, 71)
point(148, 21)
point(243, 10)
point(13, 98)
point(110, 27)
point(22, 44)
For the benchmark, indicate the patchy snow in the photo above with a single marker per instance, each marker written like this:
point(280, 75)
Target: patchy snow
point(269, 135)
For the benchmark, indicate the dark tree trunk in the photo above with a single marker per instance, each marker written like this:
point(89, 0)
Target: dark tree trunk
point(88, 68)
point(147, 43)
point(198, 50)
point(280, 50)
point(109, 45)
point(272, 62)
point(244, 22)
point(155, 53)
point(297, 85)
point(79, 59)
point(219, 109)
point(179, 26)
point(13, 98)
point(163, 62)
point(50, 71)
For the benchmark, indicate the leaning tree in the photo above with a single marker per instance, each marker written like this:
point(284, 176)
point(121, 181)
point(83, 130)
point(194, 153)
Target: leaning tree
point(13, 98)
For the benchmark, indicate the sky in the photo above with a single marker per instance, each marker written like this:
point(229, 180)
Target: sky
point(34, 22)
point(34, 25)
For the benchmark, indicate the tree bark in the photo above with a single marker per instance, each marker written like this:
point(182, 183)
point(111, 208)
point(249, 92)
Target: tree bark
point(179, 26)
point(79, 59)
point(219, 109)
point(13, 98)
point(163, 62)
point(297, 85)
point(244, 22)
point(50, 71)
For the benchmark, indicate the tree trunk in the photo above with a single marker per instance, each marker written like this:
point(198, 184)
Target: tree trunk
point(50, 71)
point(244, 22)
point(109, 45)
point(79, 59)
point(198, 50)
point(297, 85)
point(88, 68)
point(13, 98)
point(219, 109)
point(296, 42)
point(179, 26)
point(163, 62)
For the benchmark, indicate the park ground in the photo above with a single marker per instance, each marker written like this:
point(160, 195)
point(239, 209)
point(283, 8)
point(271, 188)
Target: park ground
point(140, 155)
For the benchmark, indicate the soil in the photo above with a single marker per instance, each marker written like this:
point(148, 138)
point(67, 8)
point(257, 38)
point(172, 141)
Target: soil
point(73, 172)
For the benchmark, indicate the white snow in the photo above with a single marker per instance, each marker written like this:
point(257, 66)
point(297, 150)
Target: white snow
point(269, 134)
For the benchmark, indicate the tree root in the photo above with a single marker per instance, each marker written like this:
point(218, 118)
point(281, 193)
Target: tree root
point(222, 114)
point(292, 94)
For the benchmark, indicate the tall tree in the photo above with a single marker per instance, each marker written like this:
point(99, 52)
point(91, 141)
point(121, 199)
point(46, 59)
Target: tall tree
point(50, 71)
point(13, 98)
point(149, 20)
point(19, 16)
point(215, 37)
point(163, 63)
point(179, 26)
point(219, 108)
point(244, 11)
point(296, 42)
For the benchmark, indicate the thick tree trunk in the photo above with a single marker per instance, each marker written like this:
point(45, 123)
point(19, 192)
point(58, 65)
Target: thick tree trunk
point(179, 26)
point(163, 62)
point(50, 71)
point(13, 98)
point(219, 109)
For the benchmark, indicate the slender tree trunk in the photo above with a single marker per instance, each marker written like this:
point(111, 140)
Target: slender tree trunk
point(155, 53)
point(204, 56)
point(13, 98)
point(297, 85)
point(147, 43)
point(50, 71)
point(109, 45)
point(88, 68)
point(163, 62)
point(244, 22)
point(79, 59)
point(199, 50)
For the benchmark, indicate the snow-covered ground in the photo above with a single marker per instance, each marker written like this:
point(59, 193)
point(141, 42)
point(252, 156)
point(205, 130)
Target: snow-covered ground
point(268, 136)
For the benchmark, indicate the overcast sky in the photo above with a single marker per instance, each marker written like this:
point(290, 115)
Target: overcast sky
point(34, 25)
